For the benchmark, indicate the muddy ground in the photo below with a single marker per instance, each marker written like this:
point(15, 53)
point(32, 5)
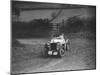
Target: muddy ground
point(28, 58)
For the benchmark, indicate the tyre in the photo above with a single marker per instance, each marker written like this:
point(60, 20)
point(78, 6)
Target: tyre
point(45, 52)
point(61, 52)
point(68, 45)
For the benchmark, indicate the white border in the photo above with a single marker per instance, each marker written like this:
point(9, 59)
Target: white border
point(5, 36)
point(85, 2)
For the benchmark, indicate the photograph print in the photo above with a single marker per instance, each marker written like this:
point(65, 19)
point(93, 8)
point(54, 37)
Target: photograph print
point(52, 37)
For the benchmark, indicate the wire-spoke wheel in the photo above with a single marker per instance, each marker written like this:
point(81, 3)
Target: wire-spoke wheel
point(61, 52)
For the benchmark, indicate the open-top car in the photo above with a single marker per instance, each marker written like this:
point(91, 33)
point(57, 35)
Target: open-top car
point(57, 46)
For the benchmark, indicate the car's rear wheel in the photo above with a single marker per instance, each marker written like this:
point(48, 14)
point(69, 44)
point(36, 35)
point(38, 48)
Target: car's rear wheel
point(68, 45)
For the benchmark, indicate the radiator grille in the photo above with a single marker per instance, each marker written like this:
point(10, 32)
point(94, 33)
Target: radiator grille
point(53, 46)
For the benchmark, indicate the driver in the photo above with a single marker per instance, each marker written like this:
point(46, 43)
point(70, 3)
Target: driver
point(58, 38)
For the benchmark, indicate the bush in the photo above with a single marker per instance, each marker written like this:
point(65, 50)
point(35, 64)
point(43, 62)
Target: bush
point(74, 24)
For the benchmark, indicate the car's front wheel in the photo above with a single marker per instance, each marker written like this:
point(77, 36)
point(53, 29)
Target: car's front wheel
point(61, 52)
point(45, 52)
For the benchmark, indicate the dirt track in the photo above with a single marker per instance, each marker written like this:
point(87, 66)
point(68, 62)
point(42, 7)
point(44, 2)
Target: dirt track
point(80, 56)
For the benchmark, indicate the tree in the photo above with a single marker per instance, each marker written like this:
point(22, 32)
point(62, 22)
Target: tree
point(55, 15)
point(74, 24)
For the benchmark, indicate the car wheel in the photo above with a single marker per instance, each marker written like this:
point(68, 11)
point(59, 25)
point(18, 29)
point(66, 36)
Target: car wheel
point(68, 45)
point(61, 52)
point(45, 52)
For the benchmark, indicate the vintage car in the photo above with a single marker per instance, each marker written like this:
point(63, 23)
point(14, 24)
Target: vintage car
point(57, 46)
